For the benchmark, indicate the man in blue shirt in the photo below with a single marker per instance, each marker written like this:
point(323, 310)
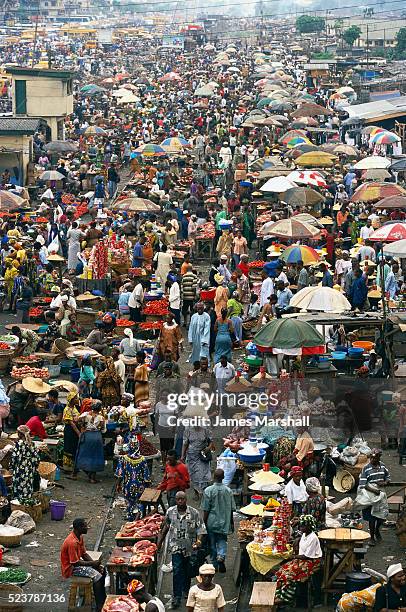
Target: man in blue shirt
point(138, 252)
point(327, 280)
point(284, 296)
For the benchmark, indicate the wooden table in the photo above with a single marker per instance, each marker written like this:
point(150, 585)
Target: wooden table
point(151, 499)
point(339, 544)
point(31, 326)
point(263, 597)
point(145, 573)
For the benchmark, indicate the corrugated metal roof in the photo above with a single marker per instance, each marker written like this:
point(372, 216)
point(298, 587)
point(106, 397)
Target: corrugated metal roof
point(379, 108)
point(24, 125)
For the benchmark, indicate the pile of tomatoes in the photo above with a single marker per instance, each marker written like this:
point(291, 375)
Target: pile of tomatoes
point(157, 307)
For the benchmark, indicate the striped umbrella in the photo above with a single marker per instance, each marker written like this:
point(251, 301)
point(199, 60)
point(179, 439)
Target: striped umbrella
point(385, 138)
point(372, 192)
point(291, 134)
point(296, 140)
point(389, 232)
point(177, 143)
point(150, 150)
point(300, 252)
point(94, 130)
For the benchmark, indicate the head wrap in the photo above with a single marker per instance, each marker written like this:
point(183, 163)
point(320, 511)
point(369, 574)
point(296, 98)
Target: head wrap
point(313, 485)
point(394, 569)
point(129, 333)
point(86, 405)
point(71, 395)
point(207, 569)
point(23, 429)
point(107, 318)
point(134, 586)
point(375, 452)
point(127, 396)
point(133, 447)
point(307, 520)
point(296, 469)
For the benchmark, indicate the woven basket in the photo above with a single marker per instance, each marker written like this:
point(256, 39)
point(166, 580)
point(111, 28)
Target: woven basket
point(47, 470)
point(44, 500)
point(5, 604)
point(35, 512)
point(14, 540)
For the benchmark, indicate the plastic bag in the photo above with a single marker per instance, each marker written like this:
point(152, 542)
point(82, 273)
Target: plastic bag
point(227, 462)
point(21, 520)
point(54, 246)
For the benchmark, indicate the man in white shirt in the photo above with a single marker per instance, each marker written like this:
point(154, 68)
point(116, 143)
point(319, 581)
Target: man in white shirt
point(225, 154)
point(367, 252)
point(135, 302)
point(223, 371)
point(281, 276)
point(174, 299)
point(267, 289)
point(366, 230)
point(343, 265)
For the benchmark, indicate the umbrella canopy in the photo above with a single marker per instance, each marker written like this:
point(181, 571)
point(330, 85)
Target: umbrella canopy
point(300, 252)
point(323, 299)
point(291, 134)
point(281, 118)
point(385, 138)
point(51, 175)
point(399, 165)
point(280, 106)
point(371, 129)
point(308, 177)
point(345, 150)
point(204, 92)
point(292, 335)
point(263, 163)
point(392, 202)
point(92, 90)
point(150, 150)
point(373, 161)
point(61, 146)
point(316, 158)
point(376, 174)
point(396, 249)
point(389, 232)
point(371, 192)
point(9, 200)
point(290, 228)
point(297, 140)
point(177, 142)
point(267, 122)
point(264, 102)
point(277, 184)
point(170, 76)
point(136, 205)
point(305, 121)
point(302, 196)
point(94, 130)
point(310, 109)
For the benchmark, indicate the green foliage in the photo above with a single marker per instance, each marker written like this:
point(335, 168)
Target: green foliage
point(351, 34)
point(306, 24)
point(400, 49)
point(323, 55)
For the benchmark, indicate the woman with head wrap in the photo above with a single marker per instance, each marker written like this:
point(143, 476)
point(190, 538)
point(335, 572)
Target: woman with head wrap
point(316, 502)
point(24, 462)
point(90, 454)
point(170, 338)
point(129, 346)
point(71, 432)
point(303, 566)
point(109, 384)
point(133, 472)
point(141, 391)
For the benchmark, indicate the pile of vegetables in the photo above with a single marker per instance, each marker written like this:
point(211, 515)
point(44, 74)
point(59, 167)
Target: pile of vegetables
point(4, 346)
point(41, 220)
point(150, 325)
point(81, 210)
point(36, 311)
point(157, 307)
point(13, 575)
point(124, 323)
point(28, 371)
point(256, 264)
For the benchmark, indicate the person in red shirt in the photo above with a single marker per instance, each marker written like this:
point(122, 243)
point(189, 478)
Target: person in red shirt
point(176, 477)
point(75, 561)
point(37, 430)
point(243, 265)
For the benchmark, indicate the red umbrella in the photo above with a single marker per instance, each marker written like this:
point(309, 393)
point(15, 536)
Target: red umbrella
point(390, 232)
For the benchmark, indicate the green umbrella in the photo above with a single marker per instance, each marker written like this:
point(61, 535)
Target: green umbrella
point(288, 334)
point(264, 102)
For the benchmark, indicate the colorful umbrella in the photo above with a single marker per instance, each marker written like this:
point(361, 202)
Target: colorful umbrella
point(389, 232)
point(170, 76)
point(94, 130)
point(308, 177)
point(323, 299)
point(385, 138)
point(92, 90)
point(372, 161)
point(316, 158)
point(371, 129)
point(372, 192)
point(150, 150)
point(290, 336)
point(297, 140)
point(300, 252)
point(177, 143)
point(51, 175)
point(287, 136)
point(392, 202)
point(290, 228)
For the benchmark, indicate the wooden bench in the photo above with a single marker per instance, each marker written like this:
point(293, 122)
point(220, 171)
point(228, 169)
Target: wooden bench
point(396, 501)
point(151, 499)
point(263, 597)
point(80, 594)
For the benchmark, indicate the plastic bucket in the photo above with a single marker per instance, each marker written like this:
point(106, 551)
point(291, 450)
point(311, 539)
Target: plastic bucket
point(57, 510)
point(75, 374)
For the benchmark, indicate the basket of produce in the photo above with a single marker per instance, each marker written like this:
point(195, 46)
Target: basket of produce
point(10, 536)
point(44, 498)
point(10, 340)
point(31, 360)
point(6, 605)
point(29, 506)
point(47, 470)
point(26, 370)
point(157, 308)
point(13, 576)
point(207, 295)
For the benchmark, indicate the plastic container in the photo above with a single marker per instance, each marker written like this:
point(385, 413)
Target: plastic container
point(54, 370)
point(363, 344)
point(338, 355)
point(57, 510)
point(75, 374)
point(356, 581)
point(355, 351)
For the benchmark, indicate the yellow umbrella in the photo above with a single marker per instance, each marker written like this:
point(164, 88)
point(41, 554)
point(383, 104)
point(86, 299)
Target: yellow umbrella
point(316, 159)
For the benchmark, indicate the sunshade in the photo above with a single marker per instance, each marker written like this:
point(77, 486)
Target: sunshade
point(316, 158)
point(310, 109)
point(396, 249)
point(345, 150)
point(204, 92)
point(175, 143)
point(9, 200)
point(263, 163)
point(94, 130)
point(305, 121)
point(297, 140)
point(385, 138)
point(308, 177)
point(300, 252)
point(389, 232)
point(392, 202)
point(264, 102)
point(371, 192)
point(280, 118)
point(323, 299)
point(170, 76)
point(290, 335)
point(267, 122)
point(129, 98)
point(373, 161)
point(92, 89)
point(372, 129)
point(51, 175)
point(291, 228)
point(150, 150)
point(300, 148)
point(281, 106)
point(136, 205)
point(278, 184)
point(376, 174)
point(291, 134)
point(302, 196)
point(61, 146)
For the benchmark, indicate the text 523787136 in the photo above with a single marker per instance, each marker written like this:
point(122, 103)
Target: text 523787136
point(36, 598)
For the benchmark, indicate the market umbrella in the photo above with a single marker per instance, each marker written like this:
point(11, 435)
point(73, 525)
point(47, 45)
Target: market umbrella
point(310, 109)
point(302, 196)
point(371, 129)
point(316, 158)
point(300, 148)
point(51, 175)
point(94, 130)
point(323, 299)
point(267, 122)
point(92, 89)
point(264, 102)
point(290, 228)
point(287, 136)
point(300, 252)
point(371, 192)
point(175, 143)
point(170, 76)
point(305, 121)
point(280, 106)
point(150, 150)
point(308, 177)
point(9, 200)
point(395, 249)
point(136, 205)
point(375, 174)
point(392, 202)
point(129, 98)
point(277, 184)
point(389, 232)
point(263, 163)
point(384, 138)
point(204, 92)
point(297, 140)
point(61, 146)
point(345, 150)
point(291, 336)
point(308, 218)
point(373, 161)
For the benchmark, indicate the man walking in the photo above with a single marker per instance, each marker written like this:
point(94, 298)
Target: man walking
point(218, 506)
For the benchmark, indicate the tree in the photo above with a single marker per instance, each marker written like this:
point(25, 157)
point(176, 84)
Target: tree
point(307, 23)
point(400, 48)
point(351, 34)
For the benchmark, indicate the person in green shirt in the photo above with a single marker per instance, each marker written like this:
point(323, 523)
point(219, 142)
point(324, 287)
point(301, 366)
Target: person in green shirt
point(218, 506)
point(235, 311)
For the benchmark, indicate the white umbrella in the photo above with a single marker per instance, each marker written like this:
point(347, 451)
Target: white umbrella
point(307, 177)
point(373, 161)
point(51, 175)
point(396, 249)
point(323, 299)
point(277, 184)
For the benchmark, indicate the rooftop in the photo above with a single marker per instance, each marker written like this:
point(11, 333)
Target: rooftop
point(19, 125)
point(50, 73)
point(382, 109)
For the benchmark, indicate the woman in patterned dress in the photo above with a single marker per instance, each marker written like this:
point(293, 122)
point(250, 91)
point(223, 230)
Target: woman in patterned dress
point(133, 472)
point(24, 462)
point(71, 432)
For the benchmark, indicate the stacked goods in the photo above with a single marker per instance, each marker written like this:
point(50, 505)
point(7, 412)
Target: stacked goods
point(248, 527)
point(146, 448)
point(4, 346)
point(206, 231)
point(98, 260)
point(150, 325)
point(80, 210)
point(281, 523)
point(143, 553)
point(259, 263)
point(36, 312)
point(148, 527)
point(28, 371)
point(157, 307)
point(118, 251)
point(124, 323)
point(121, 603)
point(234, 442)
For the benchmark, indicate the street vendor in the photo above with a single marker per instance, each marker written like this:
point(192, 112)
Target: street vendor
point(295, 490)
point(392, 596)
point(374, 475)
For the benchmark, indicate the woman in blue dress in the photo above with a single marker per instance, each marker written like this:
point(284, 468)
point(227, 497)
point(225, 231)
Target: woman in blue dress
point(223, 329)
point(90, 453)
point(133, 472)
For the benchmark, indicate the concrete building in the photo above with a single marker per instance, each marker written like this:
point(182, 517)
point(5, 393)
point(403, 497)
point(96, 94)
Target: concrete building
point(376, 32)
point(45, 94)
point(16, 145)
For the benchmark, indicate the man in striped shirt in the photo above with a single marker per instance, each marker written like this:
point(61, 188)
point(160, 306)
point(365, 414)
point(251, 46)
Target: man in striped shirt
point(377, 474)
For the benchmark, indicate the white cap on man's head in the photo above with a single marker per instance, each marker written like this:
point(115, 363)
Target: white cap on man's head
point(394, 569)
